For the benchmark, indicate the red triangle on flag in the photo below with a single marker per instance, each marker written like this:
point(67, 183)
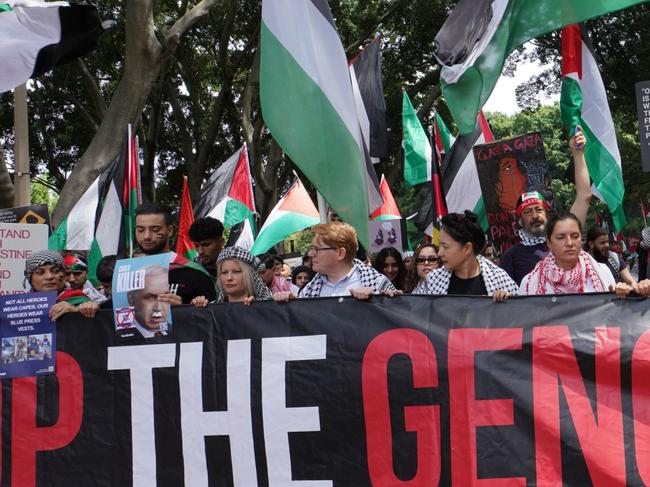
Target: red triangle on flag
point(241, 188)
point(389, 208)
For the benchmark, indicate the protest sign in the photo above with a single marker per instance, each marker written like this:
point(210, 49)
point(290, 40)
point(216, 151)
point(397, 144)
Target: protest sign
point(27, 335)
point(17, 243)
point(137, 286)
point(413, 390)
point(506, 169)
point(386, 233)
point(33, 214)
point(643, 111)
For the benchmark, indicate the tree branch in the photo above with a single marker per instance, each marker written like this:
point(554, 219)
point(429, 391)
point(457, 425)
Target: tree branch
point(352, 49)
point(91, 86)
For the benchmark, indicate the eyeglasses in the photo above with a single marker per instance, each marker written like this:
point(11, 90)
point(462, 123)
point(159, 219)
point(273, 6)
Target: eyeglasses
point(315, 250)
point(427, 260)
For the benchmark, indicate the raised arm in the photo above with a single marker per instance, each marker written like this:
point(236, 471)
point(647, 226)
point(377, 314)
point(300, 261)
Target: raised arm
point(580, 206)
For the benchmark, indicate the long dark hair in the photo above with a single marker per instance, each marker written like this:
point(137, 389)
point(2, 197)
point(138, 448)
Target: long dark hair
point(380, 260)
point(412, 278)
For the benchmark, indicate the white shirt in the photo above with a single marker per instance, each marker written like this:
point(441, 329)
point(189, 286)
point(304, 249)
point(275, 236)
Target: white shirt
point(342, 288)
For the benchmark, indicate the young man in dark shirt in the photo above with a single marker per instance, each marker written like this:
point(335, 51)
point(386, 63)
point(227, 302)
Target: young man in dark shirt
point(207, 236)
point(153, 231)
point(532, 210)
point(598, 246)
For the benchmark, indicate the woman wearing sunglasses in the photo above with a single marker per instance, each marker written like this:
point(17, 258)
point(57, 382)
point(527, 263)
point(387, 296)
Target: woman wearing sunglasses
point(425, 259)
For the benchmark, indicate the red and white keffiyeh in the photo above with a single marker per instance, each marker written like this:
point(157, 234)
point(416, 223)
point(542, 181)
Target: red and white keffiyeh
point(548, 278)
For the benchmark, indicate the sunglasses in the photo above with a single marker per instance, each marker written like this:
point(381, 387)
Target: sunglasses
point(427, 260)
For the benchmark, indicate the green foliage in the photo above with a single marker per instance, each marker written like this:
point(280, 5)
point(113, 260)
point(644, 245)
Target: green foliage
point(42, 194)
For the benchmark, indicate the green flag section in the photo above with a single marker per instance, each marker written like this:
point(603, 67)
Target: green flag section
point(583, 103)
point(444, 139)
point(227, 195)
point(294, 212)
point(184, 244)
point(308, 104)
point(416, 146)
point(389, 210)
point(476, 39)
point(37, 36)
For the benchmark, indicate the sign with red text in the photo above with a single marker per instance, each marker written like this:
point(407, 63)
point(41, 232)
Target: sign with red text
point(413, 390)
point(17, 242)
point(506, 169)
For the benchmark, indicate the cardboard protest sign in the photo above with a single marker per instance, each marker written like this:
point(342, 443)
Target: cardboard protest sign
point(17, 243)
point(137, 286)
point(27, 335)
point(33, 214)
point(506, 169)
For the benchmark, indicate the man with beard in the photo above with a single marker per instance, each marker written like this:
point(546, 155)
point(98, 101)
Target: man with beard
point(598, 246)
point(532, 210)
point(153, 231)
point(207, 237)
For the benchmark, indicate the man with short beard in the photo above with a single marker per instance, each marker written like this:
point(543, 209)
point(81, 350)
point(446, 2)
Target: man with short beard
point(153, 231)
point(532, 208)
point(598, 246)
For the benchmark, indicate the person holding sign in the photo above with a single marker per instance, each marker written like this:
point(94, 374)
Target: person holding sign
point(465, 271)
point(568, 269)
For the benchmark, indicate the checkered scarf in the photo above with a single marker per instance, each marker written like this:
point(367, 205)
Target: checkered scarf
point(548, 278)
point(261, 291)
point(645, 238)
point(494, 278)
point(529, 240)
point(369, 278)
point(37, 259)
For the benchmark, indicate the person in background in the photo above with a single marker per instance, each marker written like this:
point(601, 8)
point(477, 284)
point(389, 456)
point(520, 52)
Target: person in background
point(408, 260)
point(104, 272)
point(238, 279)
point(388, 261)
point(207, 236)
point(306, 260)
point(75, 267)
point(271, 270)
point(286, 272)
point(490, 253)
point(597, 245)
point(425, 259)
point(465, 271)
point(568, 269)
point(301, 276)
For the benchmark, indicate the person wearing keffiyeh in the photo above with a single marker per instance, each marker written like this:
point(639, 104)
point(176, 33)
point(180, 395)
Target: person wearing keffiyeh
point(532, 211)
point(568, 269)
point(76, 276)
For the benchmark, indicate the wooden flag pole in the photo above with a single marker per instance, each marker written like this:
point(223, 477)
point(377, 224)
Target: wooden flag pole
point(22, 195)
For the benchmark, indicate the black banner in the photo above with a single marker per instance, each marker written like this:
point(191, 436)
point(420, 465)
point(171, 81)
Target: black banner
point(414, 390)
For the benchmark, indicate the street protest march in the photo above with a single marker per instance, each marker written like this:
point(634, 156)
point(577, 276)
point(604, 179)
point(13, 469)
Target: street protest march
point(302, 242)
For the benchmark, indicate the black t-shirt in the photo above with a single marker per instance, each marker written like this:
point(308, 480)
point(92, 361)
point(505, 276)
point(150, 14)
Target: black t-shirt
point(474, 286)
point(191, 283)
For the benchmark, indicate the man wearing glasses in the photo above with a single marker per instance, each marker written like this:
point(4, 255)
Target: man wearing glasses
point(338, 273)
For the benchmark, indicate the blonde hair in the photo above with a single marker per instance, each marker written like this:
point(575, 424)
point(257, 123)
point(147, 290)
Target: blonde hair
point(339, 235)
point(247, 271)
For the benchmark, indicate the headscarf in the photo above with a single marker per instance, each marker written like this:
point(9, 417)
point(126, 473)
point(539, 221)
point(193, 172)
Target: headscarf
point(548, 278)
point(260, 290)
point(38, 259)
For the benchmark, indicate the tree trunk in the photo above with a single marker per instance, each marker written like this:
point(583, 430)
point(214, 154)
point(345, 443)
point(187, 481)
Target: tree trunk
point(6, 186)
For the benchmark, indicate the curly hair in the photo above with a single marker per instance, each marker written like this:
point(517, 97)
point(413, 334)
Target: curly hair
point(464, 228)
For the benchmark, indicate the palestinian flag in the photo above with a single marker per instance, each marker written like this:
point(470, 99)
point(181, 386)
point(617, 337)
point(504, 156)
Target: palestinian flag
point(416, 146)
point(243, 234)
point(460, 183)
point(433, 206)
point(131, 190)
point(37, 36)
point(308, 104)
point(584, 103)
point(478, 36)
point(368, 89)
point(294, 212)
point(184, 245)
point(444, 139)
point(227, 195)
point(389, 210)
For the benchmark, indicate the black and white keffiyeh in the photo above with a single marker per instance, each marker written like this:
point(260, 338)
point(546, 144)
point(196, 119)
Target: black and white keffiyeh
point(529, 240)
point(645, 238)
point(369, 278)
point(494, 278)
point(261, 291)
point(37, 259)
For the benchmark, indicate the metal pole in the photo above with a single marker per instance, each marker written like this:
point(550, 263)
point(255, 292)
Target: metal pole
point(22, 195)
point(322, 208)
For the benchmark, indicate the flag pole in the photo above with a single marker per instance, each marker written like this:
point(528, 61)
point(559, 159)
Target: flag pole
point(21, 148)
point(322, 207)
point(127, 170)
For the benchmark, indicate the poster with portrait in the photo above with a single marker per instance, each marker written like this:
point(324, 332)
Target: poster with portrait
point(506, 169)
point(27, 335)
point(140, 307)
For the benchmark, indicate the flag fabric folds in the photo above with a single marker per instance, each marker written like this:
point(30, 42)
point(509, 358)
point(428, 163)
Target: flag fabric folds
point(368, 89)
point(416, 146)
point(478, 36)
point(308, 104)
point(388, 210)
point(444, 139)
point(37, 36)
point(294, 212)
point(227, 195)
point(184, 244)
point(243, 234)
point(583, 103)
point(460, 183)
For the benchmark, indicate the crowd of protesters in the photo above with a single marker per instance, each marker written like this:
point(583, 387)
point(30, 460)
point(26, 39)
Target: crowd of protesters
point(553, 257)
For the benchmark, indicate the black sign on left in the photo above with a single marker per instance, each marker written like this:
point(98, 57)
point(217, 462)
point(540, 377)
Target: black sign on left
point(643, 110)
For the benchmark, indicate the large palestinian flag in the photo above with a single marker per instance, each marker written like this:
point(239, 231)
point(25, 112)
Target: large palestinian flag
point(227, 195)
point(584, 103)
point(37, 36)
point(460, 183)
point(478, 36)
point(294, 212)
point(308, 105)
